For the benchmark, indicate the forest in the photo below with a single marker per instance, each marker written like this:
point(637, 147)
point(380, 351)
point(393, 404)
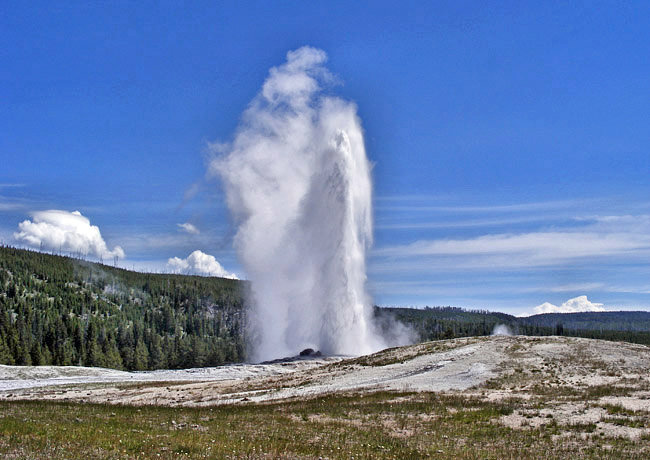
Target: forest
point(435, 323)
point(64, 311)
point(57, 310)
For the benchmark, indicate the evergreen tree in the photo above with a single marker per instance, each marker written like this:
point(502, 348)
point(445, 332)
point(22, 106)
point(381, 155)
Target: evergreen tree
point(141, 357)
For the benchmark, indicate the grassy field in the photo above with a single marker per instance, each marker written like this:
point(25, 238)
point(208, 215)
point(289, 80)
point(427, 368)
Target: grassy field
point(376, 425)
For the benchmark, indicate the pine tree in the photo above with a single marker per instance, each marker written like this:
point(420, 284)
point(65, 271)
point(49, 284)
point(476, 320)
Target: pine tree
point(158, 359)
point(36, 355)
point(141, 356)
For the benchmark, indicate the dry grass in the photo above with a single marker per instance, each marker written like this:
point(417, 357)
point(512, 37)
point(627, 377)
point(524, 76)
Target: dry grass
point(378, 425)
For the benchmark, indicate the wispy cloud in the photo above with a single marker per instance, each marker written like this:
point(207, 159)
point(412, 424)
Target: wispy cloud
point(507, 208)
point(624, 237)
point(439, 224)
point(10, 206)
point(10, 185)
point(430, 289)
point(189, 228)
point(534, 248)
point(572, 287)
point(641, 288)
point(14, 204)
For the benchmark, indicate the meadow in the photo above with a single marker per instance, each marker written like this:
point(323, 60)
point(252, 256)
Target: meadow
point(362, 425)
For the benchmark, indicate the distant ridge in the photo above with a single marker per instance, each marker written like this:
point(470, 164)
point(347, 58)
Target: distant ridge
point(433, 323)
point(594, 320)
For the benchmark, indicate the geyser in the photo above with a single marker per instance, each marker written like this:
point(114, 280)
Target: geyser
point(297, 182)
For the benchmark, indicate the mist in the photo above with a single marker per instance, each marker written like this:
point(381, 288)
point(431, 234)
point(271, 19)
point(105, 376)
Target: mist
point(297, 183)
point(501, 329)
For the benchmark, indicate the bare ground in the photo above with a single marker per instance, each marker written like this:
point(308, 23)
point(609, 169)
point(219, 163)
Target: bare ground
point(590, 385)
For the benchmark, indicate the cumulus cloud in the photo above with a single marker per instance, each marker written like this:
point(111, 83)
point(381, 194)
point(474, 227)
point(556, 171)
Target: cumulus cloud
point(67, 231)
point(189, 228)
point(199, 263)
point(575, 305)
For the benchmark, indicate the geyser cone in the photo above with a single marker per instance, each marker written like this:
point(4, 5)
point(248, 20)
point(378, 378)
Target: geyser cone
point(297, 181)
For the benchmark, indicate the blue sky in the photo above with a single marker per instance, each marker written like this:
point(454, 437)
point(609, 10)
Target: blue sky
point(510, 143)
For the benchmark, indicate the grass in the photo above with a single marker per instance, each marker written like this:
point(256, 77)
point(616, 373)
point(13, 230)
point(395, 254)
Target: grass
point(363, 426)
point(625, 421)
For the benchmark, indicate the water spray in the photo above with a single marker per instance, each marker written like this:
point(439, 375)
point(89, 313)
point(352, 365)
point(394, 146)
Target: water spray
point(297, 183)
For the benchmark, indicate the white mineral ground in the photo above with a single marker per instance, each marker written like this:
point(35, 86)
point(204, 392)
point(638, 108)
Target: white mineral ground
point(492, 368)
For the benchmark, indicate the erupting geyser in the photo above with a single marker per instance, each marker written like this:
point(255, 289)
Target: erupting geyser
point(297, 182)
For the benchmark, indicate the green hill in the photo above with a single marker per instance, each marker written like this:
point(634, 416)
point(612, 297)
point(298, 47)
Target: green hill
point(64, 311)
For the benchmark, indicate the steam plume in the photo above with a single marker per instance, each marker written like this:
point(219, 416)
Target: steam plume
point(297, 183)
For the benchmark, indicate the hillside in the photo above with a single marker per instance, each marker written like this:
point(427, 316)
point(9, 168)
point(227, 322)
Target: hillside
point(64, 311)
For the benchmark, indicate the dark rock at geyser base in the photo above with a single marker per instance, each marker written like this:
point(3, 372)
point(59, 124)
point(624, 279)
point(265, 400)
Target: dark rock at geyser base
point(307, 353)
point(310, 352)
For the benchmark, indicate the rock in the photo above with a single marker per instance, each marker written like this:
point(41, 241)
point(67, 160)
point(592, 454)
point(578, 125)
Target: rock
point(310, 352)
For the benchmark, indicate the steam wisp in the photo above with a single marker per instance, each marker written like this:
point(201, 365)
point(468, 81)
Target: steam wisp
point(501, 329)
point(297, 182)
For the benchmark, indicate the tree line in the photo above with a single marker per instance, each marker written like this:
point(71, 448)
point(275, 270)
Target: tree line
point(436, 323)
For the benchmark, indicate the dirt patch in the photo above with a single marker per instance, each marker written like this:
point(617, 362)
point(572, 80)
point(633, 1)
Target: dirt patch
point(565, 415)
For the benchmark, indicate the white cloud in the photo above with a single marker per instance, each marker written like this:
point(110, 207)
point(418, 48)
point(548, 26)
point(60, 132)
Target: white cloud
point(66, 231)
point(4, 206)
point(507, 208)
point(189, 228)
point(412, 225)
point(12, 203)
point(526, 249)
point(575, 305)
point(542, 245)
point(199, 263)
